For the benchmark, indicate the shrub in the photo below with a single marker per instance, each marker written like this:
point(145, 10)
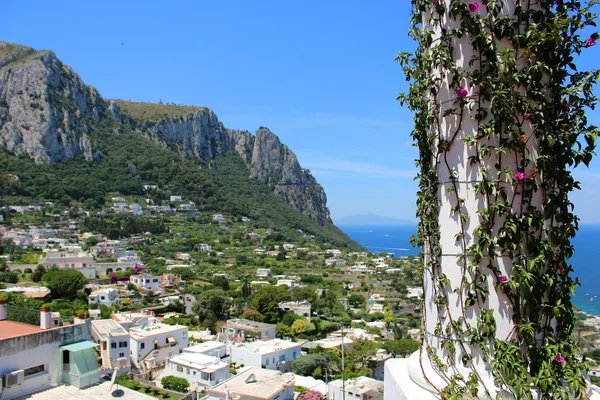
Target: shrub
point(174, 383)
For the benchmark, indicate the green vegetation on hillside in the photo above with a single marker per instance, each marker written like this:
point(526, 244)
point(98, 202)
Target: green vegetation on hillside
point(155, 111)
point(130, 160)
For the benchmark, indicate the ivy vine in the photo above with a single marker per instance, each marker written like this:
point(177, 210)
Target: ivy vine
point(528, 100)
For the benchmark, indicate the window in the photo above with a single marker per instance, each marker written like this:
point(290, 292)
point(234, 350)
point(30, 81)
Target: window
point(294, 355)
point(282, 358)
point(37, 369)
point(184, 335)
point(66, 356)
point(113, 345)
point(121, 354)
point(179, 368)
point(142, 345)
point(122, 344)
point(155, 280)
point(273, 360)
point(267, 362)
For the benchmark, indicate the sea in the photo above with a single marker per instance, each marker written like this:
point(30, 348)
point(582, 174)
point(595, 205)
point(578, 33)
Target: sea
point(585, 261)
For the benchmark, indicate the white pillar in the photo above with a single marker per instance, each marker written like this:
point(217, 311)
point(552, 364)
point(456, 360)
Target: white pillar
point(418, 376)
point(2, 311)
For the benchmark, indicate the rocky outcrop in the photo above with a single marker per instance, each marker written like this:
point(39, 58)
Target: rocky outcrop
point(45, 111)
point(44, 105)
point(275, 164)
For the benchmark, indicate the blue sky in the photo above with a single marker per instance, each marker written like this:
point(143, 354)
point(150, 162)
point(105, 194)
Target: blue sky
point(319, 74)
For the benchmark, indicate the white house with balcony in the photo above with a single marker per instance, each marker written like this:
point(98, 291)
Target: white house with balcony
point(114, 344)
point(270, 354)
point(107, 297)
point(301, 308)
point(64, 260)
point(200, 370)
point(153, 343)
point(148, 282)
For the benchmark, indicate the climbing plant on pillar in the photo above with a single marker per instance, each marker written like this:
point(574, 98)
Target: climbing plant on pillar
point(496, 81)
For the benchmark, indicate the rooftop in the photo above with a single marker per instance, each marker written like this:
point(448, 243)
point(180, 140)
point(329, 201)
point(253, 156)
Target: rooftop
point(247, 324)
point(11, 329)
point(29, 291)
point(199, 361)
point(154, 329)
point(360, 385)
point(202, 347)
point(106, 326)
point(255, 382)
point(100, 391)
point(267, 346)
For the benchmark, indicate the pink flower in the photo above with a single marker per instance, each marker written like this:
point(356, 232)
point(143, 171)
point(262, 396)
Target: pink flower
point(527, 116)
point(590, 42)
point(565, 37)
point(559, 359)
point(503, 279)
point(462, 93)
point(474, 7)
point(566, 105)
point(435, 1)
point(519, 176)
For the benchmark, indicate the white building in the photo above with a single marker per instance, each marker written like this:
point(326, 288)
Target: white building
point(35, 358)
point(148, 282)
point(301, 308)
point(175, 199)
point(154, 343)
point(114, 344)
point(360, 388)
point(131, 319)
point(200, 370)
point(263, 272)
point(210, 348)
point(65, 260)
point(107, 297)
point(218, 217)
point(255, 384)
point(270, 354)
point(237, 328)
point(204, 247)
point(170, 267)
point(286, 282)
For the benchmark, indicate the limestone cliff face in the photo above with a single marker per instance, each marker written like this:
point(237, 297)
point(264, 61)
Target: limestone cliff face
point(275, 164)
point(201, 135)
point(43, 105)
point(45, 109)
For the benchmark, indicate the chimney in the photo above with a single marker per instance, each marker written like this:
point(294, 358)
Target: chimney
point(2, 311)
point(45, 319)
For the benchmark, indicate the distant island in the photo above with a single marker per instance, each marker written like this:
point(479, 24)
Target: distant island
point(371, 219)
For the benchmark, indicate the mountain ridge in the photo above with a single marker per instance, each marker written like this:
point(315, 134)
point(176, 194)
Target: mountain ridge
point(46, 111)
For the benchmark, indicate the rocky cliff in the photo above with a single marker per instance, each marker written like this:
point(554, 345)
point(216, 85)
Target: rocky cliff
point(45, 110)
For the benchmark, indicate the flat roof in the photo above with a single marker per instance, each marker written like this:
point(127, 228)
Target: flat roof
point(255, 382)
point(267, 346)
point(99, 391)
point(106, 326)
point(248, 324)
point(11, 329)
point(199, 361)
point(155, 329)
point(202, 347)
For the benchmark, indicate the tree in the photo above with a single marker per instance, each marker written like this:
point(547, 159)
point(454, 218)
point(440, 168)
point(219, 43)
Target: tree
point(359, 358)
point(64, 283)
point(175, 383)
point(212, 304)
point(356, 300)
point(302, 326)
point(9, 277)
point(401, 347)
point(266, 301)
point(221, 282)
point(304, 293)
point(183, 272)
point(306, 365)
point(283, 330)
point(253, 315)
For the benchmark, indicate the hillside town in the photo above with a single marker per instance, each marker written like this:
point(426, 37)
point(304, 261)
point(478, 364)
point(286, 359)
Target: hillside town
point(207, 305)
